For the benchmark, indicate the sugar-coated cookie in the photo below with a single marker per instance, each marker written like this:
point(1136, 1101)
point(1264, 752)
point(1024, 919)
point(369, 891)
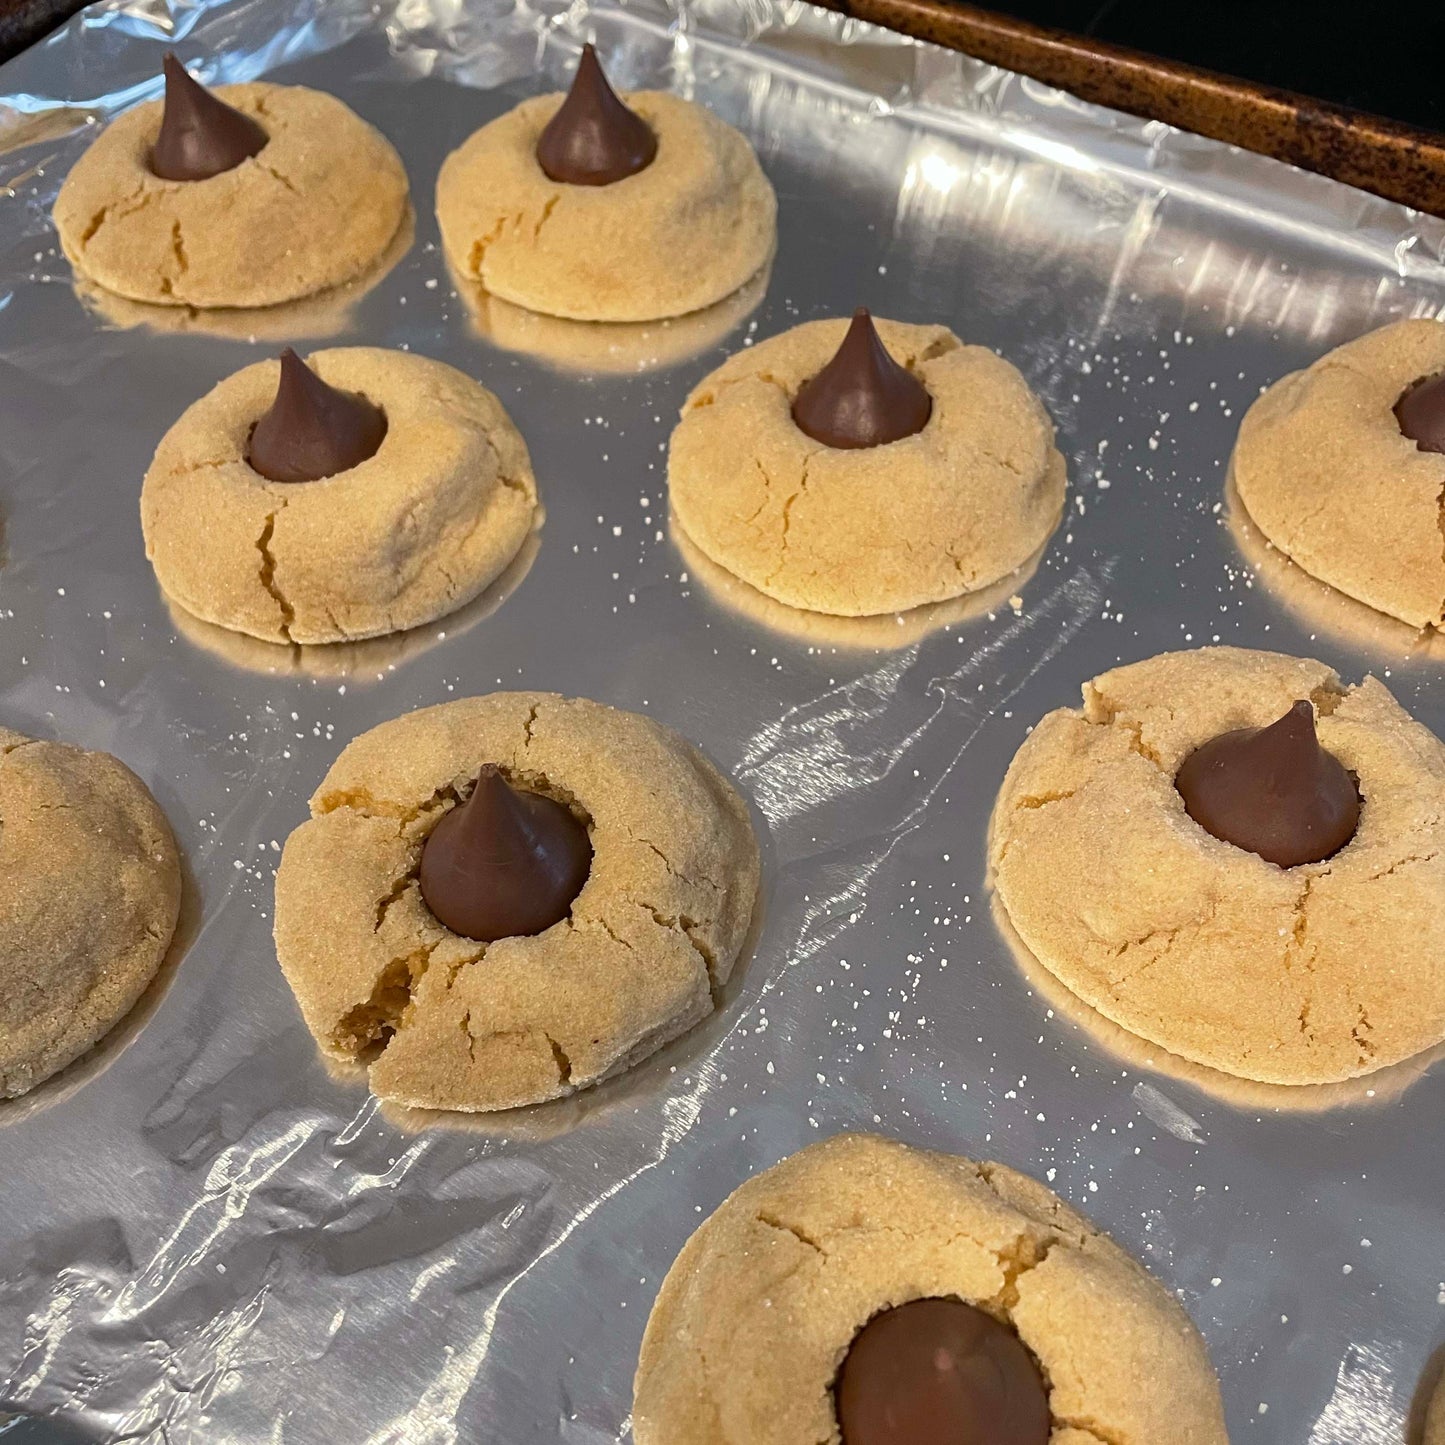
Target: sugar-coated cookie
point(1326, 470)
point(315, 206)
point(657, 926)
point(761, 1319)
point(691, 225)
point(861, 529)
point(1302, 974)
point(403, 537)
point(90, 889)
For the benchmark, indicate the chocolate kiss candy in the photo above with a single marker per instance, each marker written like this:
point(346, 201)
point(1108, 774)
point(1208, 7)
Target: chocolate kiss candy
point(1273, 791)
point(862, 398)
point(505, 863)
point(1421, 413)
point(313, 430)
point(594, 139)
point(200, 136)
point(940, 1372)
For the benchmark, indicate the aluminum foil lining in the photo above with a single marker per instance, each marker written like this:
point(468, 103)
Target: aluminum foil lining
point(205, 1235)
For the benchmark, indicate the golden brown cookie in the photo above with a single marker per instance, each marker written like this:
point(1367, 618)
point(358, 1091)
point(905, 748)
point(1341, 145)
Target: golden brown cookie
point(405, 537)
point(90, 889)
point(949, 510)
point(689, 229)
point(754, 1319)
point(1323, 469)
point(657, 927)
point(1301, 975)
point(1435, 1417)
point(316, 206)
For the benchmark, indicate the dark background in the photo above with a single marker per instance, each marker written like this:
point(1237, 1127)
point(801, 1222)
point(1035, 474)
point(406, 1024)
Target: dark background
point(1382, 57)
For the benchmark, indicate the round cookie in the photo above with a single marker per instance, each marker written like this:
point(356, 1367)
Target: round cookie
point(1325, 472)
point(315, 207)
point(91, 893)
point(754, 1319)
point(1302, 975)
point(948, 510)
point(403, 538)
point(657, 927)
point(686, 231)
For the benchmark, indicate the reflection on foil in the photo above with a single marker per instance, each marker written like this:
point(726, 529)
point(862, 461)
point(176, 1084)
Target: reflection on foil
point(1320, 606)
point(1382, 1087)
point(602, 348)
point(20, 128)
point(820, 629)
point(852, 737)
point(369, 660)
point(1159, 1107)
point(1363, 1408)
point(326, 314)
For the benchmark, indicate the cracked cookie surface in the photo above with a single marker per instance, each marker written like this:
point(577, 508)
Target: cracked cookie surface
point(1303, 975)
point(681, 234)
point(316, 206)
point(655, 931)
point(406, 537)
point(1323, 470)
point(90, 895)
point(959, 505)
point(757, 1313)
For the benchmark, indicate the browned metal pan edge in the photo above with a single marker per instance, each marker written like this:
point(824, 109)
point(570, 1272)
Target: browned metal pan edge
point(1400, 162)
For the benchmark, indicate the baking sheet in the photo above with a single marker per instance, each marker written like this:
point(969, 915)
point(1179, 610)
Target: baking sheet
point(207, 1236)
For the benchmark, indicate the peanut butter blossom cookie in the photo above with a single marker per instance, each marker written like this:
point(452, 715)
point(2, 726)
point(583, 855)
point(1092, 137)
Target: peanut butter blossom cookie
point(365, 493)
point(248, 196)
point(1342, 467)
point(870, 1294)
point(859, 468)
point(602, 209)
point(90, 888)
point(523, 894)
point(1237, 857)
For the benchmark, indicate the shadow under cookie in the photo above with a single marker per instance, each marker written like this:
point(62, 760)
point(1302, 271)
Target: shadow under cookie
point(356, 662)
point(326, 314)
point(1381, 1087)
point(606, 348)
point(826, 629)
point(1318, 605)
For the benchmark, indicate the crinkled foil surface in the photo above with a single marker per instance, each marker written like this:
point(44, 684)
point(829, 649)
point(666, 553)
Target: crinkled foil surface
point(204, 1235)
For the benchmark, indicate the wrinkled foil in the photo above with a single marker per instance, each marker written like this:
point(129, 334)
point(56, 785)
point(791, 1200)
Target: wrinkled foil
point(205, 1234)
